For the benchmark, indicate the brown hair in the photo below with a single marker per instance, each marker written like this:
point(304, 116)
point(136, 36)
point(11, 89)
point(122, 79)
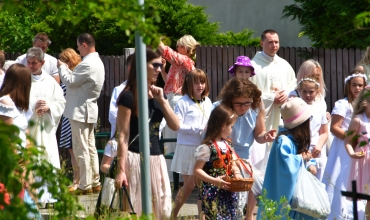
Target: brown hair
point(17, 83)
point(236, 88)
point(86, 38)
point(268, 31)
point(2, 59)
point(302, 136)
point(196, 75)
point(220, 116)
point(132, 79)
point(347, 87)
point(70, 55)
point(42, 37)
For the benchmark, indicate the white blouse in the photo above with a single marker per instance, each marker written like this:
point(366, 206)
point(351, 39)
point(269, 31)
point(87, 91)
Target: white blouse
point(19, 117)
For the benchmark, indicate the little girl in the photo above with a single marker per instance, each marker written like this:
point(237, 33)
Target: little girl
point(244, 98)
point(308, 89)
point(213, 159)
point(338, 165)
point(193, 111)
point(242, 68)
point(287, 154)
point(357, 145)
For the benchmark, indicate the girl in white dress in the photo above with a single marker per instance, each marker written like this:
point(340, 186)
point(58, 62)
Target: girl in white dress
point(14, 106)
point(308, 89)
point(338, 165)
point(193, 111)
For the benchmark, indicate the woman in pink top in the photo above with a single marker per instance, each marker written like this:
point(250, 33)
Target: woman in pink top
point(181, 64)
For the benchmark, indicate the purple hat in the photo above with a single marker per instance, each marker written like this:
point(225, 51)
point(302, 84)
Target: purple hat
point(241, 61)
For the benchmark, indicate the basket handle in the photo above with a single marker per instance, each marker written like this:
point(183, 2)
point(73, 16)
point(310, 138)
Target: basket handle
point(250, 166)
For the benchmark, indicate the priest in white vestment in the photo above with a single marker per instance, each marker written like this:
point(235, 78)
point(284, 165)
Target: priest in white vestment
point(275, 78)
point(47, 103)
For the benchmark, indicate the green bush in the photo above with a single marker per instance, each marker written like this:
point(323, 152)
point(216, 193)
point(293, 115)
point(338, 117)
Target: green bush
point(16, 160)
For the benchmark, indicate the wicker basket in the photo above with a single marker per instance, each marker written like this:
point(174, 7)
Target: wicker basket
point(240, 185)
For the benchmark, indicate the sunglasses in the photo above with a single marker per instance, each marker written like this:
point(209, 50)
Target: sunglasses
point(238, 104)
point(156, 65)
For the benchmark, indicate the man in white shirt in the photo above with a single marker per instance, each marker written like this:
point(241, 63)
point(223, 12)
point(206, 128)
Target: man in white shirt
point(42, 41)
point(115, 94)
point(274, 77)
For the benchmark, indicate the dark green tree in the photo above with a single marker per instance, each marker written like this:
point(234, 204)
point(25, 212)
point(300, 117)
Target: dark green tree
point(112, 32)
point(331, 23)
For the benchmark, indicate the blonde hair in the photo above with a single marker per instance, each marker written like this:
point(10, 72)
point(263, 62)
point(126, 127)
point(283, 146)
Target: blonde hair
point(70, 55)
point(306, 70)
point(190, 43)
point(306, 80)
point(362, 99)
point(365, 60)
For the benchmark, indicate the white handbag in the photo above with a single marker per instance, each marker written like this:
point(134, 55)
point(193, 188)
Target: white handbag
point(310, 196)
point(108, 192)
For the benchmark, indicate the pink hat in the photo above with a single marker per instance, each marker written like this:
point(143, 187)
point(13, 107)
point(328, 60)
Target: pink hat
point(294, 112)
point(241, 61)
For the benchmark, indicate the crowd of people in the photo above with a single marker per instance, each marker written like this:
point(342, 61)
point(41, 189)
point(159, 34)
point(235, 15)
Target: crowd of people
point(265, 116)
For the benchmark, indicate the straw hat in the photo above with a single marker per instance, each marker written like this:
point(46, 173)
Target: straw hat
point(294, 112)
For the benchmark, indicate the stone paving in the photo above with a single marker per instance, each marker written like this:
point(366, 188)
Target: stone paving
point(188, 211)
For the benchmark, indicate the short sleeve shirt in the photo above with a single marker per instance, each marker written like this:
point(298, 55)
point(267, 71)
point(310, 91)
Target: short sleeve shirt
point(127, 100)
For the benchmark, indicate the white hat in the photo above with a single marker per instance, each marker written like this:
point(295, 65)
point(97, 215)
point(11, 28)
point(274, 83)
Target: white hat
point(294, 112)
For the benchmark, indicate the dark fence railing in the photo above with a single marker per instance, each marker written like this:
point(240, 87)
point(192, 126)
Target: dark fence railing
point(216, 60)
point(336, 64)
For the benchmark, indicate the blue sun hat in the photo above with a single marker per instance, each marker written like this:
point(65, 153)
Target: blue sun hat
point(241, 61)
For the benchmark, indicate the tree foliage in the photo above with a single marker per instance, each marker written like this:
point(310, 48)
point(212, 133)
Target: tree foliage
point(15, 160)
point(112, 22)
point(332, 23)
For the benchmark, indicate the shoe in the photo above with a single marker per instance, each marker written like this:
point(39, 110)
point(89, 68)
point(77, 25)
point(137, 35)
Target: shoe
point(72, 187)
point(79, 192)
point(96, 189)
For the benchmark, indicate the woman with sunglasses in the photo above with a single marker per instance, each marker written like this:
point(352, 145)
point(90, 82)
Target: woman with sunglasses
point(244, 98)
point(128, 169)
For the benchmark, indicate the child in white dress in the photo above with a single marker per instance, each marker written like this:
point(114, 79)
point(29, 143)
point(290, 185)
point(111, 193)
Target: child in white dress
point(338, 165)
point(193, 111)
point(308, 89)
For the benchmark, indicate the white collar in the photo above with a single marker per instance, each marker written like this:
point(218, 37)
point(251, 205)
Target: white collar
point(90, 54)
point(267, 57)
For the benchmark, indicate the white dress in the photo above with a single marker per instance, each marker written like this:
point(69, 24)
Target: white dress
point(337, 168)
point(19, 118)
point(318, 119)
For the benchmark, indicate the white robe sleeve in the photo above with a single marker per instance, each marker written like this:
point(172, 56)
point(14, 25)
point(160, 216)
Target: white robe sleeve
point(57, 105)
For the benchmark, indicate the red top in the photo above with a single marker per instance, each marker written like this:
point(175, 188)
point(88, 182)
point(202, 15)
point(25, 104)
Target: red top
point(180, 66)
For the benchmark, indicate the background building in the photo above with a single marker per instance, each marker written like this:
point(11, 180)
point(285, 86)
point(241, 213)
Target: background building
point(256, 15)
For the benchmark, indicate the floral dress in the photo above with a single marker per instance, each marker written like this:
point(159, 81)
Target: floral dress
point(217, 203)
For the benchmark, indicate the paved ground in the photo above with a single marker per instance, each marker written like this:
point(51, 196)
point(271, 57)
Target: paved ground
point(189, 211)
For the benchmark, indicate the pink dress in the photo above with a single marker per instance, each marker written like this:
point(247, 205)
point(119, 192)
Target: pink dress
point(360, 168)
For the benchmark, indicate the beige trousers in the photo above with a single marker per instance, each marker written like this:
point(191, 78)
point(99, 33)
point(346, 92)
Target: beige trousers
point(84, 149)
